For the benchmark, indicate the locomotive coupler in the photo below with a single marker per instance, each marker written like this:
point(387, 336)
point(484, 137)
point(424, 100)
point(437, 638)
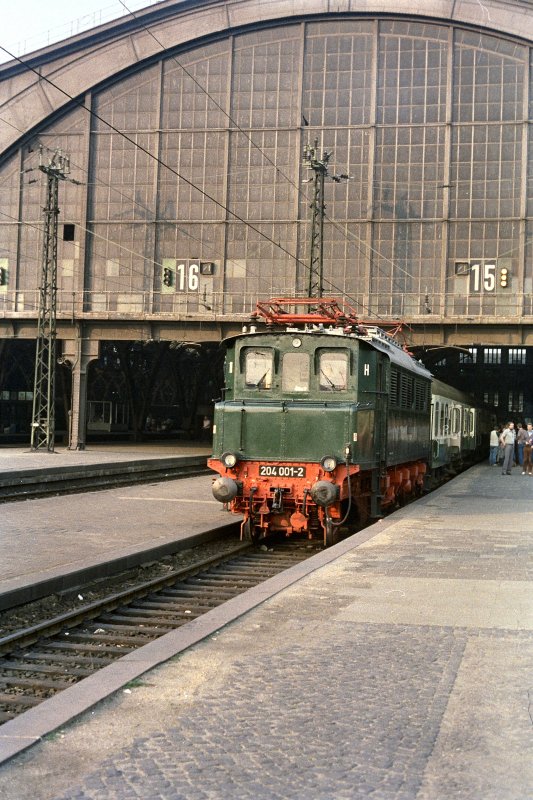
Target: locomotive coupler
point(277, 499)
point(253, 490)
point(307, 492)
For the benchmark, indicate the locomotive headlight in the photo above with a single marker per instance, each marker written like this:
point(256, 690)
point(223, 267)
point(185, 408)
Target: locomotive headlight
point(229, 460)
point(329, 463)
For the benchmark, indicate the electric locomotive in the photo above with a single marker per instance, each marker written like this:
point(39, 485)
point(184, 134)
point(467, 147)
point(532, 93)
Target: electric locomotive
point(323, 418)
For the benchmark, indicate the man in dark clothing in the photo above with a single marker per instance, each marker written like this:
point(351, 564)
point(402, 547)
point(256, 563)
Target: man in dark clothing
point(521, 439)
point(527, 466)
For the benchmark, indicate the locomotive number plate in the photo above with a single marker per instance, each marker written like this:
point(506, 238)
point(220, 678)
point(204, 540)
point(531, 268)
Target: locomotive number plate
point(280, 471)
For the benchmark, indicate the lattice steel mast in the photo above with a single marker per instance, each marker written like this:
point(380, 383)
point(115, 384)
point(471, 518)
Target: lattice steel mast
point(318, 211)
point(43, 418)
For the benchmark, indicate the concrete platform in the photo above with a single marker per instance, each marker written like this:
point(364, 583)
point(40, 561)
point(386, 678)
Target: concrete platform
point(25, 473)
point(54, 543)
point(398, 664)
point(22, 459)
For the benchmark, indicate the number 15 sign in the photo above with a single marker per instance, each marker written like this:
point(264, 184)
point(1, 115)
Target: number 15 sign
point(486, 277)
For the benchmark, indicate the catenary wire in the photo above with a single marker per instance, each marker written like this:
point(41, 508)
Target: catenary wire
point(221, 205)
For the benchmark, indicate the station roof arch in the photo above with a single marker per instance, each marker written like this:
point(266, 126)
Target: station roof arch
point(29, 87)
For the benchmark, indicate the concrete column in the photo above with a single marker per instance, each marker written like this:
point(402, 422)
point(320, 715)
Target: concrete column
point(79, 353)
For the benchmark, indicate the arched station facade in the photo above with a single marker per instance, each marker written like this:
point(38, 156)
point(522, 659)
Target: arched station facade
point(188, 195)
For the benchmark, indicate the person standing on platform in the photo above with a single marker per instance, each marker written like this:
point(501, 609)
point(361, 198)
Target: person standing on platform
point(494, 445)
point(206, 429)
point(521, 439)
point(527, 466)
point(501, 448)
point(507, 439)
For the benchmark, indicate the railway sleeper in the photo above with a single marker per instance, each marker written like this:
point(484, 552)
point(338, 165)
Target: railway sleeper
point(111, 622)
point(110, 636)
point(165, 608)
point(224, 581)
point(252, 570)
point(19, 700)
point(148, 621)
point(164, 614)
point(71, 658)
point(279, 553)
point(36, 683)
point(100, 649)
point(47, 669)
point(209, 591)
point(245, 570)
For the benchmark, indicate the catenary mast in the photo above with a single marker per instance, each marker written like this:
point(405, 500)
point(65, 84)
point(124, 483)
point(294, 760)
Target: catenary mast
point(319, 166)
point(43, 416)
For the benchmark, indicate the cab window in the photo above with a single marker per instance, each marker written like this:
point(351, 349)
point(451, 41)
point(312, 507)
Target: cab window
point(333, 370)
point(295, 372)
point(258, 368)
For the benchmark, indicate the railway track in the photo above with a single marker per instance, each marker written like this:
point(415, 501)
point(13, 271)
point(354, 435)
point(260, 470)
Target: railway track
point(39, 662)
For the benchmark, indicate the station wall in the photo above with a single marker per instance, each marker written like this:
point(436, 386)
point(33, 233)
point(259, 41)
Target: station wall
point(192, 196)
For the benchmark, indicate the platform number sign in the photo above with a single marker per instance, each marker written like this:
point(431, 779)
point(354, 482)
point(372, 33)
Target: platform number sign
point(482, 277)
point(184, 276)
point(487, 277)
point(187, 276)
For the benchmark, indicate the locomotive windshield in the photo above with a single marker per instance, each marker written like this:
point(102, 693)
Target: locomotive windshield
point(258, 368)
point(333, 370)
point(295, 374)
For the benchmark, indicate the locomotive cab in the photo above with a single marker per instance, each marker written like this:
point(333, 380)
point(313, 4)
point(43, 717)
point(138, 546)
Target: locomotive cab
point(285, 430)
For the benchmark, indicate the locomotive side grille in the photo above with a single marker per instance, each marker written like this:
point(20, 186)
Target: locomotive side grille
point(421, 395)
point(394, 387)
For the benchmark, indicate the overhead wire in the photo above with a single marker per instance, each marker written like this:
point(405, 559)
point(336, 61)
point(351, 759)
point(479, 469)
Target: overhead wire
point(327, 281)
point(92, 233)
point(190, 183)
point(156, 158)
point(110, 279)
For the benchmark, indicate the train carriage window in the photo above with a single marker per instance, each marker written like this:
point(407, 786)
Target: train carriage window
point(295, 372)
point(446, 419)
point(258, 368)
point(333, 370)
point(441, 421)
point(436, 419)
point(456, 420)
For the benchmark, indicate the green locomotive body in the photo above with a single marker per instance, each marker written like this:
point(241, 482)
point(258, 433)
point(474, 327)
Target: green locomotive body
point(316, 420)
